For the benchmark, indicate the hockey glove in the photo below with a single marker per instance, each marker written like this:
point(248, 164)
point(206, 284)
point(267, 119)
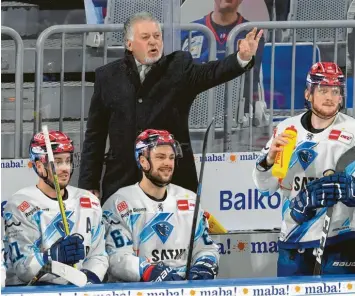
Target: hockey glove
point(347, 183)
point(92, 277)
point(204, 268)
point(324, 192)
point(160, 273)
point(68, 250)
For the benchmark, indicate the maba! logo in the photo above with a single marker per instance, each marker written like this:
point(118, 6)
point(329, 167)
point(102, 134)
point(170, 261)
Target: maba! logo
point(261, 247)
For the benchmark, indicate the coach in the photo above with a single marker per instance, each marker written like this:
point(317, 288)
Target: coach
point(146, 89)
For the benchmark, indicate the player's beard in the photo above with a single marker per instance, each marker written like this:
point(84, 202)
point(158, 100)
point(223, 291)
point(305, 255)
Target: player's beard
point(156, 179)
point(321, 113)
point(62, 184)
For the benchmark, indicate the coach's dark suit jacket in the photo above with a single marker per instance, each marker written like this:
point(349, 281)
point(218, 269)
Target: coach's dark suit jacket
point(122, 107)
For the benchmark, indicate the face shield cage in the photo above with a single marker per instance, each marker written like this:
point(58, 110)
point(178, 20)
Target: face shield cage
point(153, 141)
point(39, 153)
point(318, 80)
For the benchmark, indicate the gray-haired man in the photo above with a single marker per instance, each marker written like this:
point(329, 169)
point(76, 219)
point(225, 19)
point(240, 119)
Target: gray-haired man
point(148, 90)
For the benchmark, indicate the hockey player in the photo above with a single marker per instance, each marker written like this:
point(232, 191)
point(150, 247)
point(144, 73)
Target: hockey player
point(324, 134)
point(148, 224)
point(34, 229)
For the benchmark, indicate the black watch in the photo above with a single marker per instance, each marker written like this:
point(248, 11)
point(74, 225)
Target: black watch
point(250, 64)
point(262, 165)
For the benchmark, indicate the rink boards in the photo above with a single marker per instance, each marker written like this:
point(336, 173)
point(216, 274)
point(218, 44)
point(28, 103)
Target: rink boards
point(249, 287)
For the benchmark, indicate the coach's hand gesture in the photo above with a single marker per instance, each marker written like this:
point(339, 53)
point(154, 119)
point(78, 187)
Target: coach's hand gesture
point(247, 47)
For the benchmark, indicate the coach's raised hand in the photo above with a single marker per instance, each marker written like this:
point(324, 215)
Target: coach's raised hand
point(247, 47)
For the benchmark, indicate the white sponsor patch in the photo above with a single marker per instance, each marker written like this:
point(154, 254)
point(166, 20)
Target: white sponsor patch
point(346, 137)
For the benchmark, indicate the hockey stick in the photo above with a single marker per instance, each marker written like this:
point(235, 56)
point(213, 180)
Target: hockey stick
point(347, 158)
point(55, 179)
point(197, 203)
point(70, 274)
point(44, 269)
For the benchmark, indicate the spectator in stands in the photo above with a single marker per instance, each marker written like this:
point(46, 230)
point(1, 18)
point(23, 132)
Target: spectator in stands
point(221, 21)
point(148, 90)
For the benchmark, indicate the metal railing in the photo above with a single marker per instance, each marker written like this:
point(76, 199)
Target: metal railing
point(292, 25)
point(228, 110)
point(84, 29)
point(18, 88)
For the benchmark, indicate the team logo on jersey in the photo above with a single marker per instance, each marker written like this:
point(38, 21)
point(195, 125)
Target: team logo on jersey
point(163, 230)
point(149, 230)
point(304, 154)
point(160, 207)
point(122, 206)
point(185, 205)
point(23, 206)
point(341, 136)
point(306, 157)
point(85, 202)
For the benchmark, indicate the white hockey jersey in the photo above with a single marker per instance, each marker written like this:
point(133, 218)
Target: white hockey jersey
point(314, 154)
point(140, 230)
point(3, 266)
point(33, 223)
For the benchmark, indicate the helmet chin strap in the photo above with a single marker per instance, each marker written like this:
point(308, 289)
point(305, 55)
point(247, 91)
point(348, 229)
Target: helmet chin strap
point(46, 179)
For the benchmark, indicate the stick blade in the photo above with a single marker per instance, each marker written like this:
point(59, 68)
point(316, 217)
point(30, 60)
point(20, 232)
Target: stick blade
point(69, 273)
